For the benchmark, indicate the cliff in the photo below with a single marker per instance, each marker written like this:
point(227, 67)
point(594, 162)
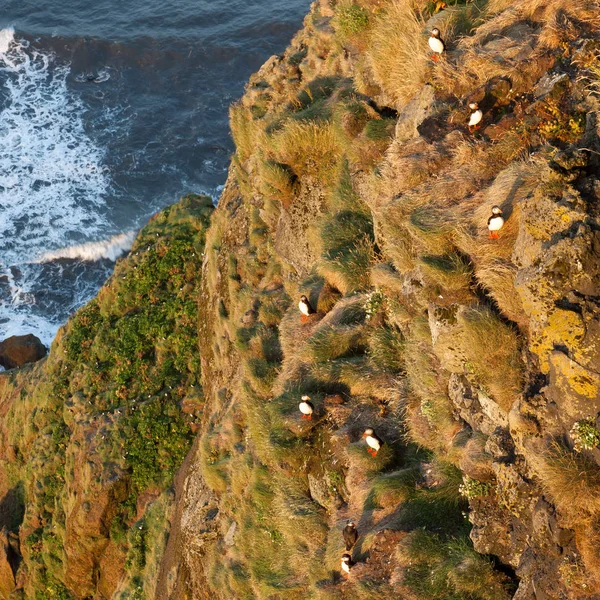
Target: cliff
point(158, 452)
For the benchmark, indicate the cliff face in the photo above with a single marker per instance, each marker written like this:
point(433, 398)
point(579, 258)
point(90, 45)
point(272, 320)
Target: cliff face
point(477, 361)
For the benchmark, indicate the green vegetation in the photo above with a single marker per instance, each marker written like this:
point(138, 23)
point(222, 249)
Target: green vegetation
point(471, 488)
point(449, 569)
point(352, 19)
point(585, 435)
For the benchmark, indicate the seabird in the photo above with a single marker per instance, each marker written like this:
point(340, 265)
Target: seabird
point(350, 534)
point(495, 222)
point(347, 563)
point(476, 116)
point(373, 441)
point(436, 44)
point(305, 307)
point(306, 408)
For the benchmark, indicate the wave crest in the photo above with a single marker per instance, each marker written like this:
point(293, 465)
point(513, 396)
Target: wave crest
point(93, 251)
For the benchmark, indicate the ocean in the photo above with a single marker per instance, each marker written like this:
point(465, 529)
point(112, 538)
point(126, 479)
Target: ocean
point(109, 111)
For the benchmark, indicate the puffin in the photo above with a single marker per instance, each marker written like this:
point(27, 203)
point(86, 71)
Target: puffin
point(436, 44)
point(306, 407)
point(476, 116)
point(373, 441)
point(305, 307)
point(350, 534)
point(495, 222)
point(347, 563)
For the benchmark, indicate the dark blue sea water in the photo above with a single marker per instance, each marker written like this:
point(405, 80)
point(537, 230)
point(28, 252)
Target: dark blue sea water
point(109, 111)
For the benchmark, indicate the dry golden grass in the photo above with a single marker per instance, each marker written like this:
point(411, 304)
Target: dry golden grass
point(397, 51)
point(310, 149)
point(572, 480)
point(247, 133)
point(348, 269)
point(383, 275)
point(451, 272)
point(275, 182)
point(492, 352)
point(429, 412)
point(475, 461)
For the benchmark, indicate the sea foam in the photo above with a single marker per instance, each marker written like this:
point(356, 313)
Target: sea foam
point(53, 186)
point(110, 249)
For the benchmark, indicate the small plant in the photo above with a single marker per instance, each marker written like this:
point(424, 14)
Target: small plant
point(374, 303)
point(559, 125)
point(585, 435)
point(471, 488)
point(352, 19)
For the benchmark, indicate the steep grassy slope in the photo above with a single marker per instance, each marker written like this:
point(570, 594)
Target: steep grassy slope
point(94, 434)
point(357, 182)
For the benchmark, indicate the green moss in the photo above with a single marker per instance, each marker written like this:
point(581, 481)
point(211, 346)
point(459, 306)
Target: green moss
point(352, 19)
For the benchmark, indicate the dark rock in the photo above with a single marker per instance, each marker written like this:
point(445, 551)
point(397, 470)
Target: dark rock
point(574, 159)
point(498, 130)
point(249, 317)
point(500, 445)
point(19, 350)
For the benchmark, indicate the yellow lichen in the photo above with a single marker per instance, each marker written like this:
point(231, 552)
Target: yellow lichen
point(563, 327)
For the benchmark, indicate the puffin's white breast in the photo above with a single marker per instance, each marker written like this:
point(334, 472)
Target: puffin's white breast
point(345, 567)
point(496, 223)
point(373, 442)
point(305, 408)
point(475, 118)
point(436, 45)
point(303, 308)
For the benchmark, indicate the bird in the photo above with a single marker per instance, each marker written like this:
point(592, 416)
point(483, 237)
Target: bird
point(347, 563)
point(373, 441)
point(306, 408)
point(350, 534)
point(495, 222)
point(436, 44)
point(305, 307)
point(476, 116)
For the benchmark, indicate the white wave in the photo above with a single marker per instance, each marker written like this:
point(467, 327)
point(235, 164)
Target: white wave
point(52, 180)
point(53, 184)
point(92, 251)
point(6, 37)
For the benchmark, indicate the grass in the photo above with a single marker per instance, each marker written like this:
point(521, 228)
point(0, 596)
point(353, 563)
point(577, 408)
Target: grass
point(392, 489)
point(351, 20)
point(336, 342)
point(572, 481)
point(277, 182)
point(397, 51)
point(445, 569)
point(492, 349)
point(450, 273)
point(310, 149)
point(125, 363)
point(386, 349)
point(347, 239)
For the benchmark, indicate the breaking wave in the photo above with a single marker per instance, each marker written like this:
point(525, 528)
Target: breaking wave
point(109, 249)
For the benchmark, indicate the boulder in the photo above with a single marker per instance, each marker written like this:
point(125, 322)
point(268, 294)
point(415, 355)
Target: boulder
point(19, 350)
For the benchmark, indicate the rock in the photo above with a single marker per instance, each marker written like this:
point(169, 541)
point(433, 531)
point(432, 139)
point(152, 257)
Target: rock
point(7, 578)
point(574, 389)
point(333, 399)
point(414, 114)
point(552, 86)
point(319, 490)
point(497, 130)
point(229, 538)
point(19, 350)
